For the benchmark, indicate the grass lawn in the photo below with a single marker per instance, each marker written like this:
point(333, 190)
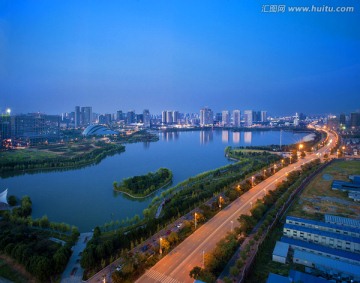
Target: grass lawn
point(318, 198)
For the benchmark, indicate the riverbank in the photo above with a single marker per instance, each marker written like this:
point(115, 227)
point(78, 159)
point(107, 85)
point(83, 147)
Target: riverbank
point(56, 156)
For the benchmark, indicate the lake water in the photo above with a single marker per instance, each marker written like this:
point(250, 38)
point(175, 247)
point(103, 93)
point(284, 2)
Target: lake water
point(85, 198)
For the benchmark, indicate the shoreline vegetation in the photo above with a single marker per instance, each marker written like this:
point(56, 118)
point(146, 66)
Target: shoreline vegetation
point(144, 185)
point(75, 153)
point(54, 157)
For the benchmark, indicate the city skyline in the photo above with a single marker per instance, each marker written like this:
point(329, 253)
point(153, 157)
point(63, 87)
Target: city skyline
point(180, 55)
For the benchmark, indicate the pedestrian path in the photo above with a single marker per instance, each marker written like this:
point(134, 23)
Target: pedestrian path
point(73, 272)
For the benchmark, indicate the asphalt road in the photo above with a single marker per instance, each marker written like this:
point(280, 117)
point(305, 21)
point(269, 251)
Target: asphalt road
point(176, 266)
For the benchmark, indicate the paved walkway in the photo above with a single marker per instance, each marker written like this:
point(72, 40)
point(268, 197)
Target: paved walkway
point(73, 272)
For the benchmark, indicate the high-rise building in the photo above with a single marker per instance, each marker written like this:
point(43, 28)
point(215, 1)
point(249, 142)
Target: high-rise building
point(206, 117)
point(355, 119)
point(5, 127)
point(169, 117)
point(35, 127)
point(248, 118)
point(130, 117)
point(119, 115)
point(342, 119)
point(236, 118)
point(225, 118)
point(296, 120)
point(263, 116)
point(218, 118)
point(176, 117)
point(77, 120)
point(86, 115)
point(163, 117)
point(146, 118)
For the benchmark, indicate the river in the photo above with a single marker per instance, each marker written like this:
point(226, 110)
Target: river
point(85, 198)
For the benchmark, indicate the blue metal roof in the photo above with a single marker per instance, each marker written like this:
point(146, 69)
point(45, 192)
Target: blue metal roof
point(342, 185)
point(297, 276)
point(324, 261)
point(324, 224)
point(322, 233)
point(281, 249)
point(342, 220)
point(275, 278)
point(320, 248)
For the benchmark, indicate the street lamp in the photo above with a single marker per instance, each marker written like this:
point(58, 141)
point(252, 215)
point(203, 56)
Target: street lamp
point(252, 181)
point(282, 162)
point(160, 251)
point(238, 187)
point(290, 158)
point(203, 259)
point(195, 220)
point(250, 204)
point(264, 173)
point(220, 199)
point(232, 225)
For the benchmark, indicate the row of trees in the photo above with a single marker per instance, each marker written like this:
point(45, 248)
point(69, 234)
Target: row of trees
point(219, 257)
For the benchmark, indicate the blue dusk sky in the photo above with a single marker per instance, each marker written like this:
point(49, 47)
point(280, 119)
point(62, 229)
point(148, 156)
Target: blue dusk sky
point(178, 55)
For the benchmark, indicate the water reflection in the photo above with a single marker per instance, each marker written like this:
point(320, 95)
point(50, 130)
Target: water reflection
point(169, 136)
point(248, 137)
point(236, 137)
point(206, 136)
point(225, 136)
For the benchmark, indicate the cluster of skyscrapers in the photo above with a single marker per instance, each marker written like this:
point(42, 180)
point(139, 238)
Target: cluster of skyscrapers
point(226, 119)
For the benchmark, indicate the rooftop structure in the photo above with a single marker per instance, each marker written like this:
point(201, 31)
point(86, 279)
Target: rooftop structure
point(321, 250)
point(330, 239)
point(324, 226)
point(3, 197)
point(98, 130)
point(280, 252)
point(327, 265)
point(295, 276)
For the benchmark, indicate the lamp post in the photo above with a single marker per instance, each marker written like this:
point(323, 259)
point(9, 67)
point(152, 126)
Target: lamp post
point(232, 225)
point(220, 199)
point(252, 181)
point(203, 259)
point(195, 220)
point(264, 173)
point(160, 250)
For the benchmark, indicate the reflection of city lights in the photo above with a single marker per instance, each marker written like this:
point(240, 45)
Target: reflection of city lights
point(247, 137)
point(236, 137)
point(225, 136)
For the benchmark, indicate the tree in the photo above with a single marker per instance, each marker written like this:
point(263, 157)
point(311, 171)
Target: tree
point(195, 272)
point(97, 232)
point(165, 245)
point(173, 238)
point(12, 200)
point(44, 222)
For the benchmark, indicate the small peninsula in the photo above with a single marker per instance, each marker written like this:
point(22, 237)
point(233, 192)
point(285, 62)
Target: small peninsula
point(144, 185)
